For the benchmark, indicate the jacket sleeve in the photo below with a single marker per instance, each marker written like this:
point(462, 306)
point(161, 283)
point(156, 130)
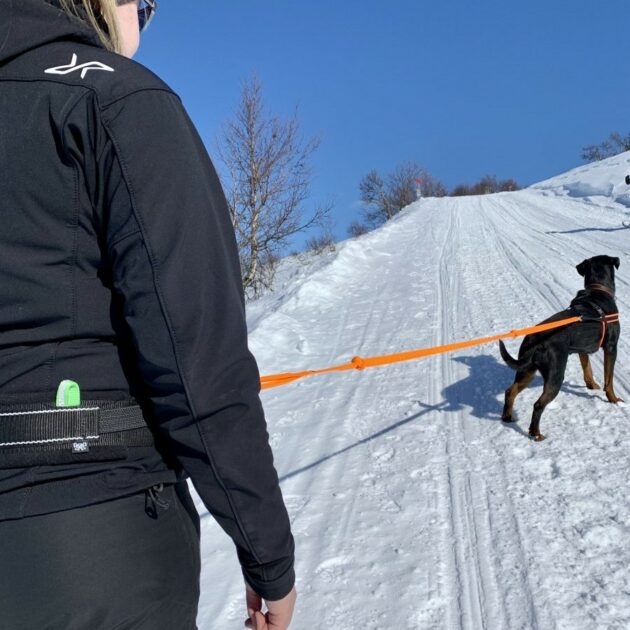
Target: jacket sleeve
point(174, 264)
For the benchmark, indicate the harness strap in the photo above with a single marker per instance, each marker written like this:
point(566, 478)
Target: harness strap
point(607, 319)
point(601, 339)
point(611, 318)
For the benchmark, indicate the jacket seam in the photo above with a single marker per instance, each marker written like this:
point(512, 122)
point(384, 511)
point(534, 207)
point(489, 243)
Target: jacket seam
point(104, 106)
point(52, 360)
point(123, 237)
point(77, 100)
point(174, 343)
point(76, 220)
point(75, 251)
point(91, 88)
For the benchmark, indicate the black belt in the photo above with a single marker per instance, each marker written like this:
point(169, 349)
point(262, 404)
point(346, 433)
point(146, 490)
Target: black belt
point(40, 433)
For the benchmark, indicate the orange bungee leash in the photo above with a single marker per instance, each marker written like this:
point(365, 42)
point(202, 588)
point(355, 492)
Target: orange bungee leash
point(360, 363)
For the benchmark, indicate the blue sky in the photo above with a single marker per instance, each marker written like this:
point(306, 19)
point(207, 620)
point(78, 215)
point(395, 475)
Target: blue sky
point(514, 89)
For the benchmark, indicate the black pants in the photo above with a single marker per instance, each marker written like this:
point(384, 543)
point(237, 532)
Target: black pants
point(128, 564)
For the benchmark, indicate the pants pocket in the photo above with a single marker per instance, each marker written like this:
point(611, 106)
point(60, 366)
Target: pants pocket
point(102, 566)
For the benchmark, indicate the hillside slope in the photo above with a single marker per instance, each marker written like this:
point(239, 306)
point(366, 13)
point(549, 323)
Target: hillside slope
point(412, 505)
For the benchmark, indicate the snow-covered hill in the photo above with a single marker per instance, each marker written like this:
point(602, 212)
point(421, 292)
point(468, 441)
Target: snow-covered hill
point(413, 506)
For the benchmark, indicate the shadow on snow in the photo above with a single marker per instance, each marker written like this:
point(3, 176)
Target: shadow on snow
point(480, 392)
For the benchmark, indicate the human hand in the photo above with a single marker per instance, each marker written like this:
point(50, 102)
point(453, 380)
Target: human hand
point(278, 615)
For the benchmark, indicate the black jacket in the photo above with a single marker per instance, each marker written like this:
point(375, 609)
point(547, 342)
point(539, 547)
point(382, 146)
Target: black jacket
point(119, 269)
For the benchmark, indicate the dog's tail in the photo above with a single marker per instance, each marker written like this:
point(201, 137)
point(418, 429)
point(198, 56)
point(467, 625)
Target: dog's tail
point(515, 364)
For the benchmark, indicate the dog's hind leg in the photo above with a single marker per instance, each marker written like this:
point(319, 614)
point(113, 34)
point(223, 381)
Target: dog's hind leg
point(553, 373)
point(589, 380)
point(609, 371)
point(521, 381)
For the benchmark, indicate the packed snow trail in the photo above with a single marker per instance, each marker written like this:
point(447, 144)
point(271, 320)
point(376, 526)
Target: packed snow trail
point(413, 506)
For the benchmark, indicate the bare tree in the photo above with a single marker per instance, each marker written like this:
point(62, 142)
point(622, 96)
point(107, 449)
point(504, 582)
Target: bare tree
point(461, 190)
point(614, 144)
point(402, 183)
point(268, 183)
point(383, 198)
point(378, 206)
point(432, 187)
point(488, 184)
point(325, 240)
point(356, 228)
point(509, 185)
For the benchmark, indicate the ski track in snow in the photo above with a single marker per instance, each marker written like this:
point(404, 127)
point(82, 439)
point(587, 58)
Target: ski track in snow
point(412, 505)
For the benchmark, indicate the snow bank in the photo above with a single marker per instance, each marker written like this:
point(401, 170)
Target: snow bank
point(605, 178)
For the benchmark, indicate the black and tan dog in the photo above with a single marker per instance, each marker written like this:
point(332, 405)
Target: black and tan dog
point(548, 351)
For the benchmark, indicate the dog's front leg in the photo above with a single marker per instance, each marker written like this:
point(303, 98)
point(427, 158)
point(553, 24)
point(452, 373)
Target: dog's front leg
point(609, 370)
point(589, 379)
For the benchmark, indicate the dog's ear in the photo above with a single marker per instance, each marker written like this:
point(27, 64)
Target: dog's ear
point(615, 261)
point(583, 266)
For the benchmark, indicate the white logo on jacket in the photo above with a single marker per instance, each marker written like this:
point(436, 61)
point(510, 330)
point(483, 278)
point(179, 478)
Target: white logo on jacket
point(84, 67)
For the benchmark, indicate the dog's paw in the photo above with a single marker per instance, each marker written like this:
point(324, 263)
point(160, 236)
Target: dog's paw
point(537, 437)
point(593, 385)
point(507, 419)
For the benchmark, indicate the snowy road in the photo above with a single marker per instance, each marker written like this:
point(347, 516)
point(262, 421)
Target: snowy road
point(413, 506)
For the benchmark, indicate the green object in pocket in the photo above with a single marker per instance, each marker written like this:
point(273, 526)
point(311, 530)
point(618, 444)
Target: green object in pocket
point(68, 394)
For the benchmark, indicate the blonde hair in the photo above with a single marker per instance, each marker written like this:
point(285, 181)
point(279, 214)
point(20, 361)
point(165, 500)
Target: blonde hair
point(99, 15)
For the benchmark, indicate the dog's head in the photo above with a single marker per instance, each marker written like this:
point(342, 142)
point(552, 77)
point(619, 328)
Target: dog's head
point(599, 270)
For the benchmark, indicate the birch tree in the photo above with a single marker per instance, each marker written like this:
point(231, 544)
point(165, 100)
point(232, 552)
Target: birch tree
point(268, 171)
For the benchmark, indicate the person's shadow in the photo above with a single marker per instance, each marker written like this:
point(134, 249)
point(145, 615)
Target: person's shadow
point(624, 226)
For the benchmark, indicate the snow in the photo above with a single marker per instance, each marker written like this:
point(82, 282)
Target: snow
point(597, 182)
point(412, 505)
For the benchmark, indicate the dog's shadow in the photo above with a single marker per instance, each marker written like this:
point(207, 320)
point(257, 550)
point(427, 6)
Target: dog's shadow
point(486, 381)
point(482, 391)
